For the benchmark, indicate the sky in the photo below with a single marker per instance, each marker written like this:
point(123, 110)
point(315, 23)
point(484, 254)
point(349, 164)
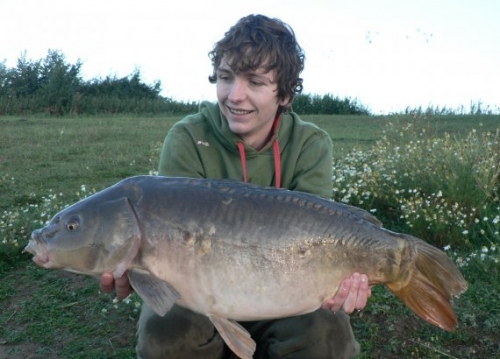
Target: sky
point(387, 54)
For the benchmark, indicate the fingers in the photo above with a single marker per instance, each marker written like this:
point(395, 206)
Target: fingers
point(352, 295)
point(329, 305)
point(107, 282)
point(363, 293)
point(337, 302)
point(121, 285)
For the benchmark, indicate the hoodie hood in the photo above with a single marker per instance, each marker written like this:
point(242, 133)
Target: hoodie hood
point(234, 144)
point(202, 146)
point(229, 139)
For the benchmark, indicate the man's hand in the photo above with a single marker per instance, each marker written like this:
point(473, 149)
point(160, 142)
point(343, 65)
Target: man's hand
point(121, 285)
point(352, 294)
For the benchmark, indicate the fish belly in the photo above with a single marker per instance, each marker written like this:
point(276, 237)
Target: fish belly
point(251, 283)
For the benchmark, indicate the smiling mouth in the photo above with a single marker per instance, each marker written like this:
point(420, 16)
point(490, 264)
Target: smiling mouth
point(238, 112)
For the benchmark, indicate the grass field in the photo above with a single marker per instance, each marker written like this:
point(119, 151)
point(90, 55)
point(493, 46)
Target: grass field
point(47, 163)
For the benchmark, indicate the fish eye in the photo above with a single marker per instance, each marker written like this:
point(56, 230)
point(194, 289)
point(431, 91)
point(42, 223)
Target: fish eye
point(72, 224)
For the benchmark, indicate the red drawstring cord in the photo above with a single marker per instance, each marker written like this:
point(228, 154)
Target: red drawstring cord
point(277, 163)
point(243, 159)
point(276, 150)
point(277, 155)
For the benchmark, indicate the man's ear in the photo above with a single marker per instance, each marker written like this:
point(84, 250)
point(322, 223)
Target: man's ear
point(285, 102)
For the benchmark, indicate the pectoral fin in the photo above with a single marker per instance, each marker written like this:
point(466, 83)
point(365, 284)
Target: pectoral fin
point(235, 336)
point(156, 293)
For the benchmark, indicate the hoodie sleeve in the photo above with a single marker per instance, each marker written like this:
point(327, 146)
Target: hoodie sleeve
point(313, 171)
point(179, 156)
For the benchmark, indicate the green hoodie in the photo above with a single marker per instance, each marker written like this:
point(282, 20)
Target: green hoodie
point(202, 145)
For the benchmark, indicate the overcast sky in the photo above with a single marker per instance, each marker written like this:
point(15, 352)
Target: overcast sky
point(389, 54)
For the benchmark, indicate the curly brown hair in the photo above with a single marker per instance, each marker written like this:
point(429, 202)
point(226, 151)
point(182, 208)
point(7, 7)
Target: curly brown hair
point(257, 41)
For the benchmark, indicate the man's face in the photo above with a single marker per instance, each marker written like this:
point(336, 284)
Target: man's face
point(249, 102)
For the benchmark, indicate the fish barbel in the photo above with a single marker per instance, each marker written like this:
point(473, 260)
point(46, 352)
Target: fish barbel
point(234, 251)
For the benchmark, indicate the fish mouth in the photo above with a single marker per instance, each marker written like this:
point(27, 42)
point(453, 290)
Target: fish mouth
point(39, 250)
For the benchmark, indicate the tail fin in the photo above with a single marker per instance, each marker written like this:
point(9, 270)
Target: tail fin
point(433, 282)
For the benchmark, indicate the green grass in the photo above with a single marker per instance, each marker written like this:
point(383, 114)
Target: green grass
point(363, 132)
point(61, 315)
point(64, 153)
point(44, 162)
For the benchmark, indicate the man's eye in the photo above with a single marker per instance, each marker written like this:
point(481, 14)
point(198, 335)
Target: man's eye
point(255, 81)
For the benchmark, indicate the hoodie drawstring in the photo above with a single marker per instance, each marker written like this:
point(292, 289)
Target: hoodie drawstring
point(243, 158)
point(277, 163)
point(276, 151)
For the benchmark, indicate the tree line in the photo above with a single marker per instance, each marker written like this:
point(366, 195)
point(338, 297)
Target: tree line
point(56, 87)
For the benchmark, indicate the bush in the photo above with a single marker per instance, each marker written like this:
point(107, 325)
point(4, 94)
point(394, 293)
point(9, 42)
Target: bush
point(307, 104)
point(55, 87)
point(442, 189)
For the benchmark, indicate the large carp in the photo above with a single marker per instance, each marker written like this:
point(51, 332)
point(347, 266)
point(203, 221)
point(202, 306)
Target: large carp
point(237, 252)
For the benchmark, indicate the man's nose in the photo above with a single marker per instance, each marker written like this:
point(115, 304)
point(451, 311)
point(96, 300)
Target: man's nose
point(237, 92)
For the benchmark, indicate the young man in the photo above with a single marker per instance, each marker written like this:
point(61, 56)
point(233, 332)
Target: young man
point(251, 135)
